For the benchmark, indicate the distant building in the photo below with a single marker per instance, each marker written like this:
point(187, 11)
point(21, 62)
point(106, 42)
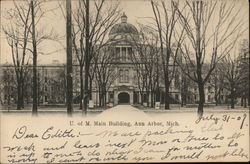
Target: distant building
point(51, 84)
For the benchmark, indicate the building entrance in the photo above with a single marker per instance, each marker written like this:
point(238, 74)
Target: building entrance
point(123, 98)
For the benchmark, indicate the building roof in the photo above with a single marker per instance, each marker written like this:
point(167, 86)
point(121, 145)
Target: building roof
point(123, 27)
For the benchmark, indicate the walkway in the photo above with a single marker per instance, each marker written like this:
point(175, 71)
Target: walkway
point(123, 112)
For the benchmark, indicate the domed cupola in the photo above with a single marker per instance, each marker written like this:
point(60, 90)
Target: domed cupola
point(124, 18)
point(123, 28)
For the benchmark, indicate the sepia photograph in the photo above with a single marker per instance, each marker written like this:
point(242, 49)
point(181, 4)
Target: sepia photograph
point(122, 81)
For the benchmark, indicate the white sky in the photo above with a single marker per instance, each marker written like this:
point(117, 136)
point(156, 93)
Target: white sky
point(136, 10)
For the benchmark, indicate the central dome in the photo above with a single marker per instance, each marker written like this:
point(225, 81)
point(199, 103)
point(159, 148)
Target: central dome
point(123, 27)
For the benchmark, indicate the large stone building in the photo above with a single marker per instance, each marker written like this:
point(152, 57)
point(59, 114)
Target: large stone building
point(122, 88)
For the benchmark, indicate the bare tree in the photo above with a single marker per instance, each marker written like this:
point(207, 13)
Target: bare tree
point(105, 72)
point(24, 36)
point(34, 44)
point(166, 26)
point(217, 80)
point(69, 58)
point(17, 34)
point(145, 58)
point(244, 69)
point(37, 37)
point(235, 67)
point(232, 76)
point(89, 35)
point(211, 29)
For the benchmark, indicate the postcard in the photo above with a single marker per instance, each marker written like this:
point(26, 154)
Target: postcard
point(122, 81)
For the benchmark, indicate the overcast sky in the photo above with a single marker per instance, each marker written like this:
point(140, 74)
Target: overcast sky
point(136, 10)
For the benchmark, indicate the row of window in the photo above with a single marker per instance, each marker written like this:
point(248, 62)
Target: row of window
point(123, 75)
point(123, 53)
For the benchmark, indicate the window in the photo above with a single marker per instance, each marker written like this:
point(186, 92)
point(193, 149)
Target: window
point(123, 54)
point(126, 76)
point(129, 53)
point(177, 97)
point(120, 75)
point(123, 76)
point(135, 79)
point(117, 51)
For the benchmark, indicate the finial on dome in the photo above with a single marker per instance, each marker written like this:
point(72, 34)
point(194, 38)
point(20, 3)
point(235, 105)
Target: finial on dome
point(124, 18)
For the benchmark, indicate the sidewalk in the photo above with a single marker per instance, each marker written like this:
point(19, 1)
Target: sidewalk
point(174, 109)
point(179, 109)
point(51, 109)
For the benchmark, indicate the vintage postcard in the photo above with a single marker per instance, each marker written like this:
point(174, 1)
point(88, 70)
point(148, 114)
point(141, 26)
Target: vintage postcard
point(122, 81)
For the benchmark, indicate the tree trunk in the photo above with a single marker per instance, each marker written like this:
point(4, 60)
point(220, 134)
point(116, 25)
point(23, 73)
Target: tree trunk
point(81, 86)
point(105, 98)
point(22, 90)
point(216, 99)
point(202, 98)
point(182, 100)
point(219, 97)
point(99, 92)
point(216, 94)
point(141, 102)
point(90, 89)
point(245, 102)
point(87, 48)
point(167, 97)
point(100, 99)
point(38, 92)
point(69, 82)
point(157, 94)
point(151, 99)
point(22, 94)
point(232, 98)
point(19, 95)
point(34, 108)
point(147, 98)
